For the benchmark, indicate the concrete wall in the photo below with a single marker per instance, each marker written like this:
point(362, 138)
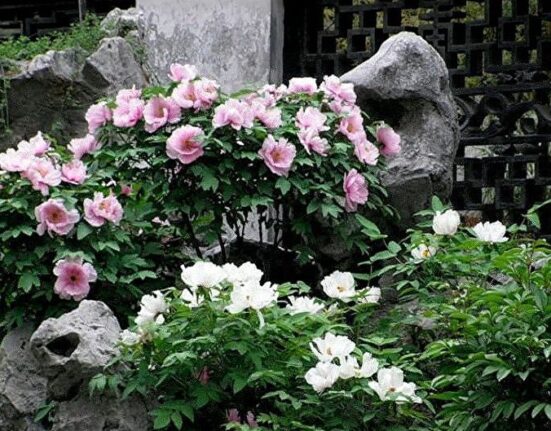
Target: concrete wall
point(237, 42)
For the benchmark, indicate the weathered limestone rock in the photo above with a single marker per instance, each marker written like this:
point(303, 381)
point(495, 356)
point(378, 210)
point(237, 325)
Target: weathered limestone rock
point(54, 90)
point(22, 389)
point(406, 83)
point(75, 346)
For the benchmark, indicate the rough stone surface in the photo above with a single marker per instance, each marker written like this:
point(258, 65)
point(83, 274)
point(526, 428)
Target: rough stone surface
point(101, 414)
point(75, 346)
point(406, 83)
point(22, 389)
point(54, 90)
point(229, 41)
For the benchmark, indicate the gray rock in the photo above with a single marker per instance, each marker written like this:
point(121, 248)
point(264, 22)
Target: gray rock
point(75, 346)
point(102, 413)
point(406, 83)
point(22, 389)
point(120, 22)
point(54, 90)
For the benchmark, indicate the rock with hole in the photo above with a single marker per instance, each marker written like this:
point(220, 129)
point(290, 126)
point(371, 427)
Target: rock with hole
point(75, 346)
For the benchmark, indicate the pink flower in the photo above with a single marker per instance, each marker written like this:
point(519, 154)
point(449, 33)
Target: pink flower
point(355, 190)
point(15, 160)
point(311, 118)
point(128, 113)
point(37, 145)
point(81, 146)
point(251, 420)
point(203, 376)
point(311, 141)
point(352, 126)
point(199, 94)
point(52, 216)
point(302, 85)
point(73, 172)
point(235, 113)
point(184, 145)
point(102, 209)
point(271, 118)
point(232, 415)
point(42, 174)
point(98, 115)
point(365, 151)
point(278, 155)
point(182, 72)
point(335, 89)
point(126, 189)
point(390, 141)
point(158, 111)
point(73, 278)
point(127, 95)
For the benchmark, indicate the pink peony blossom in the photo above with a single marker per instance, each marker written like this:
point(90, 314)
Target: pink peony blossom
point(159, 111)
point(42, 174)
point(234, 113)
point(126, 189)
point(37, 145)
point(271, 118)
point(203, 376)
point(302, 85)
point(81, 146)
point(365, 151)
point(278, 155)
point(311, 118)
point(390, 141)
point(182, 72)
point(184, 144)
point(73, 172)
point(98, 115)
point(251, 420)
point(127, 114)
point(198, 95)
point(338, 91)
point(15, 160)
point(73, 278)
point(311, 141)
point(127, 95)
point(232, 415)
point(355, 190)
point(52, 216)
point(351, 126)
point(102, 209)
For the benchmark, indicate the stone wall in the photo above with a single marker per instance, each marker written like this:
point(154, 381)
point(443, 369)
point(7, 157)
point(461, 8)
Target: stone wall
point(236, 42)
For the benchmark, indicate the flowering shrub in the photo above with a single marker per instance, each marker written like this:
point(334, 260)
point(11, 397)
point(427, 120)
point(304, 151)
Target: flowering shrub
point(226, 348)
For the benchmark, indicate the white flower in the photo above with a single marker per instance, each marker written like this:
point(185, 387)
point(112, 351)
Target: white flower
point(422, 251)
point(322, 376)
point(303, 304)
point(152, 309)
point(446, 223)
point(369, 295)
point(490, 232)
point(339, 285)
point(191, 297)
point(129, 337)
point(390, 385)
point(253, 295)
point(332, 346)
point(349, 367)
point(241, 274)
point(203, 274)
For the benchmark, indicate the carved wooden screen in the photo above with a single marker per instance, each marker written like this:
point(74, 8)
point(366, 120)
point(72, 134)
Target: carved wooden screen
point(499, 56)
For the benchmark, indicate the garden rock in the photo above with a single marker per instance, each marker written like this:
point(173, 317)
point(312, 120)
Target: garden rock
point(75, 346)
point(406, 83)
point(22, 389)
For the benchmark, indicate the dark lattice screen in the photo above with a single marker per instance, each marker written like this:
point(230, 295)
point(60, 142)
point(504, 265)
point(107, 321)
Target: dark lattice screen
point(499, 56)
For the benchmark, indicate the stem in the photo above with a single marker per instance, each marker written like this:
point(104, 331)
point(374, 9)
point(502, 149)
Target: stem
point(194, 240)
point(222, 248)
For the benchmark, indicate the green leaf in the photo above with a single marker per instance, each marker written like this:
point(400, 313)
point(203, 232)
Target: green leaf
point(283, 184)
point(27, 281)
point(437, 204)
point(83, 230)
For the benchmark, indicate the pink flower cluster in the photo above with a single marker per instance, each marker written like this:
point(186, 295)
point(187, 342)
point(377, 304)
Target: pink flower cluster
point(199, 94)
point(160, 111)
point(130, 108)
point(102, 209)
point(233, 415)
point(73, 278)
point(311, 122)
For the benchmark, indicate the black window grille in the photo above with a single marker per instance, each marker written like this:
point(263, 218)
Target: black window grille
point(499, 56)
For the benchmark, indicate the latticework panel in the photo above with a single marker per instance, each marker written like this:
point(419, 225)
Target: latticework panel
point(499, 56)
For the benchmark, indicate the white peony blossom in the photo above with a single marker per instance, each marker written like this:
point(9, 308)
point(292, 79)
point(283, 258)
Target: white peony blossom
point(322, 376)
point(129, 338)
point(191, 298)
point(490, 232)
point(369, 295)
point(390, 385)
point(446, 223)
point(332, 346)
point(241, 274)
point(339, 285)
point(303, 304)
point(152, 309)
point(253, 295)
point(422, 251)
point(349, 367)
point(203, 274)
